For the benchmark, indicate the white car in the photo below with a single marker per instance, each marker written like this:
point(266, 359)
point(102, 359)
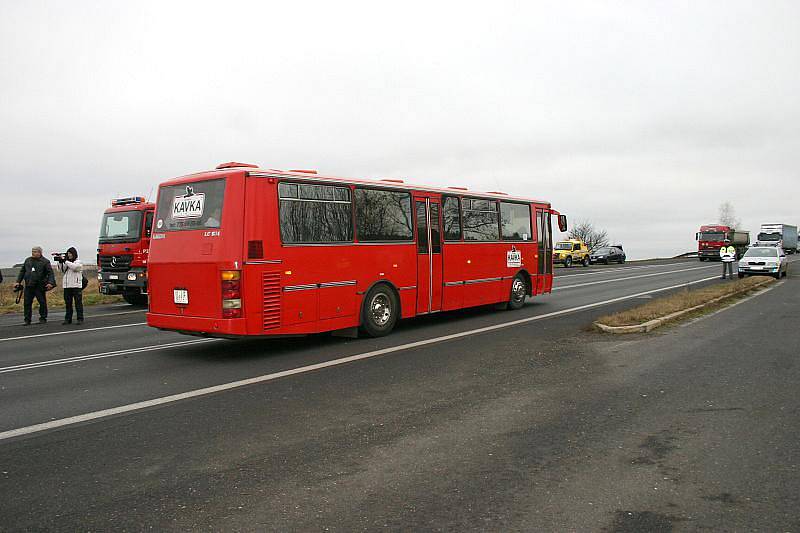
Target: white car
point(764, 260)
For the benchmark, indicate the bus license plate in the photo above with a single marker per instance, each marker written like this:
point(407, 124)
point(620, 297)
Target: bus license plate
point(181, 296)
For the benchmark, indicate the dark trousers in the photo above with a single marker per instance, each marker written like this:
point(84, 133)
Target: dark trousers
point(38, 293)
point(727, 266)
point(76, 295)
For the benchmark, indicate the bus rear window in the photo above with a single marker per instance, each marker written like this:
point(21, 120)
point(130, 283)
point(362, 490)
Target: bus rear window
point(189, 206)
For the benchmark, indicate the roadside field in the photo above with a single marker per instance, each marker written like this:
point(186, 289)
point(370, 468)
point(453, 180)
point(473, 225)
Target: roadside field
point(55, 298)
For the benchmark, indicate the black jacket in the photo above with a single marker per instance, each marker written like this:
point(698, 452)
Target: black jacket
point(36, 273)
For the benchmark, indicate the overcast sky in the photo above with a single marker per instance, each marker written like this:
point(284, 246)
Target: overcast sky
point(639, 116)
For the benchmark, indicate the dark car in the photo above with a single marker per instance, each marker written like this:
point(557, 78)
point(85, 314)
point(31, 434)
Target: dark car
point(607, 254)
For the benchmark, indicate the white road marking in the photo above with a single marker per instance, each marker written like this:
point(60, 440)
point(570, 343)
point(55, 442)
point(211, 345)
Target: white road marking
point(620, 269)
point(72, 331)
point(615, 280)
point(138, 406)
point(89, 357)
point(87, 316)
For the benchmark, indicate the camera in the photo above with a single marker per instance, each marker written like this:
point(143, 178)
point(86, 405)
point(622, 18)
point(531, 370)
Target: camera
point(60, 257)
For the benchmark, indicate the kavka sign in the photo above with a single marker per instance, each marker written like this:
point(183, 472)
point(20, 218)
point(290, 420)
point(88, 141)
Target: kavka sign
point(513, 258)
point(188, 206)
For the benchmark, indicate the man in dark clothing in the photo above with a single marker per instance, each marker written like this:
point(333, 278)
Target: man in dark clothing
point(37, 273)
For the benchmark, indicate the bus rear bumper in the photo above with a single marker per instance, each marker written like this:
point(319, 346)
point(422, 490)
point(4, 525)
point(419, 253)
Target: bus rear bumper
point(192, 325)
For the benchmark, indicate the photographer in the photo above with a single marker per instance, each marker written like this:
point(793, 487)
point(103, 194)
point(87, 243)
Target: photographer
point(72, 281)
point(38, 276)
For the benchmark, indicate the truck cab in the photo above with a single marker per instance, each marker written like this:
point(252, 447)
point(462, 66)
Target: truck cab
point(123, 247)
point(712, 237)
point(570, 252)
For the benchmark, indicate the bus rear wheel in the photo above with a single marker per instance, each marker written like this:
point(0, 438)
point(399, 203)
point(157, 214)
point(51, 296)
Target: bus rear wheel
point(519, 288)
point(380, 311)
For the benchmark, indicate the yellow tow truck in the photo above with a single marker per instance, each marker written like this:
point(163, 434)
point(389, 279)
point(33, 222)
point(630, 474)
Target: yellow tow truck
point(571, 252)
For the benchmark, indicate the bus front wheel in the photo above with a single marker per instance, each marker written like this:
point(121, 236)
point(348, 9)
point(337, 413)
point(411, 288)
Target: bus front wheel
point(519, 288)
point(380, 311)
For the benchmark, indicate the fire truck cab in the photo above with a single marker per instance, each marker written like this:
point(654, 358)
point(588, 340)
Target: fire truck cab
point(123, 247)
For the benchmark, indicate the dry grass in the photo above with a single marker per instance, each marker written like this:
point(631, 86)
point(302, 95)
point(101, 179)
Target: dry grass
point(55, 298)
point(679, 301)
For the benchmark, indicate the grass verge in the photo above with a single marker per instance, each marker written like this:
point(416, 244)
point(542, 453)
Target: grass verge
point(679, 301)
point(55, 298)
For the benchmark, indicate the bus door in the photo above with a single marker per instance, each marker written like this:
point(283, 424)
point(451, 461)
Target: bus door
point(544, 251)
point(429, 254)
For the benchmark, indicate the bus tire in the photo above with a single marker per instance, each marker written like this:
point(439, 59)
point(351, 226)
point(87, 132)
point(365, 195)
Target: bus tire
point(380, 311)
point(519, 288)
point(568, 261)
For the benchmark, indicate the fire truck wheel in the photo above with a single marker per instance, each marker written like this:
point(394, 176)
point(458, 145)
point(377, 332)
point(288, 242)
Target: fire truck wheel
point(519, 288)
point(568, 261)
point(135, 299)
point(380, 311)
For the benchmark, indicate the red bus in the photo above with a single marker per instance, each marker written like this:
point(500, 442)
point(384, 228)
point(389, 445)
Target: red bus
point(241, 251)
point(122, 248)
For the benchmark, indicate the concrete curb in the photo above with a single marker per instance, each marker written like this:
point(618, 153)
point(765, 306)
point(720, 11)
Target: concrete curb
point(650, 325)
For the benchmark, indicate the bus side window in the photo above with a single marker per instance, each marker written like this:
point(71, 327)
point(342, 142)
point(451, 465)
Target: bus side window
point(480, 218)
point(452, 219)
point(315, 213)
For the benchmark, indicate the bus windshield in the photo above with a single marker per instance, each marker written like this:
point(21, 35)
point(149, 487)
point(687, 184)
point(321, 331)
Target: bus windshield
point(769, 236)
point(123, 226)
point(190, 206)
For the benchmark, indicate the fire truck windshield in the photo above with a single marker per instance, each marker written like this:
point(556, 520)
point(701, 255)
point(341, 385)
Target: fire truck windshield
point(122, 226)
point(190, 206)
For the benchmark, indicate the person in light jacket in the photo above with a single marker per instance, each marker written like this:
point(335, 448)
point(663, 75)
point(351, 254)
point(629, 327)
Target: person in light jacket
point(72, 281)
point(728, 255)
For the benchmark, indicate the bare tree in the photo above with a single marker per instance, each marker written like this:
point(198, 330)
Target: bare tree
point(593, 237)
point(727, 215)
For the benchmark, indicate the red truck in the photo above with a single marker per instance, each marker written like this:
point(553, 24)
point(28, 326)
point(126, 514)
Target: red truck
point(711, 238)
point(123, 247)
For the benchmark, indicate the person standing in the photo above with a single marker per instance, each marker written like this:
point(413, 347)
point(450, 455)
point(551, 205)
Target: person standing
point(728, 255)
point(72, 281)
point(37, 273)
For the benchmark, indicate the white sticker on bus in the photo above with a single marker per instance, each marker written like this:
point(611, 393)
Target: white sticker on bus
point(189, 206)
point(513, 258)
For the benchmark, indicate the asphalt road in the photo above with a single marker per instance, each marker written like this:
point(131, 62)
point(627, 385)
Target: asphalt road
point(476, 420)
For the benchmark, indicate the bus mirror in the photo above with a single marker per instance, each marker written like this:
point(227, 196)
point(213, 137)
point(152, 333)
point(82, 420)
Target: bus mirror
point(562, 223)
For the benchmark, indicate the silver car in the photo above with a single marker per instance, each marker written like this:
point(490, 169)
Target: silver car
point(769, 260)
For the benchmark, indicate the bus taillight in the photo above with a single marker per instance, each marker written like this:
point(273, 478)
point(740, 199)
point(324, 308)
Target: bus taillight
point(231, 294)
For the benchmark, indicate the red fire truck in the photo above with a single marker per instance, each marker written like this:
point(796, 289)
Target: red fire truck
point(123, 248)
point(241, 251)
point(711, 238)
